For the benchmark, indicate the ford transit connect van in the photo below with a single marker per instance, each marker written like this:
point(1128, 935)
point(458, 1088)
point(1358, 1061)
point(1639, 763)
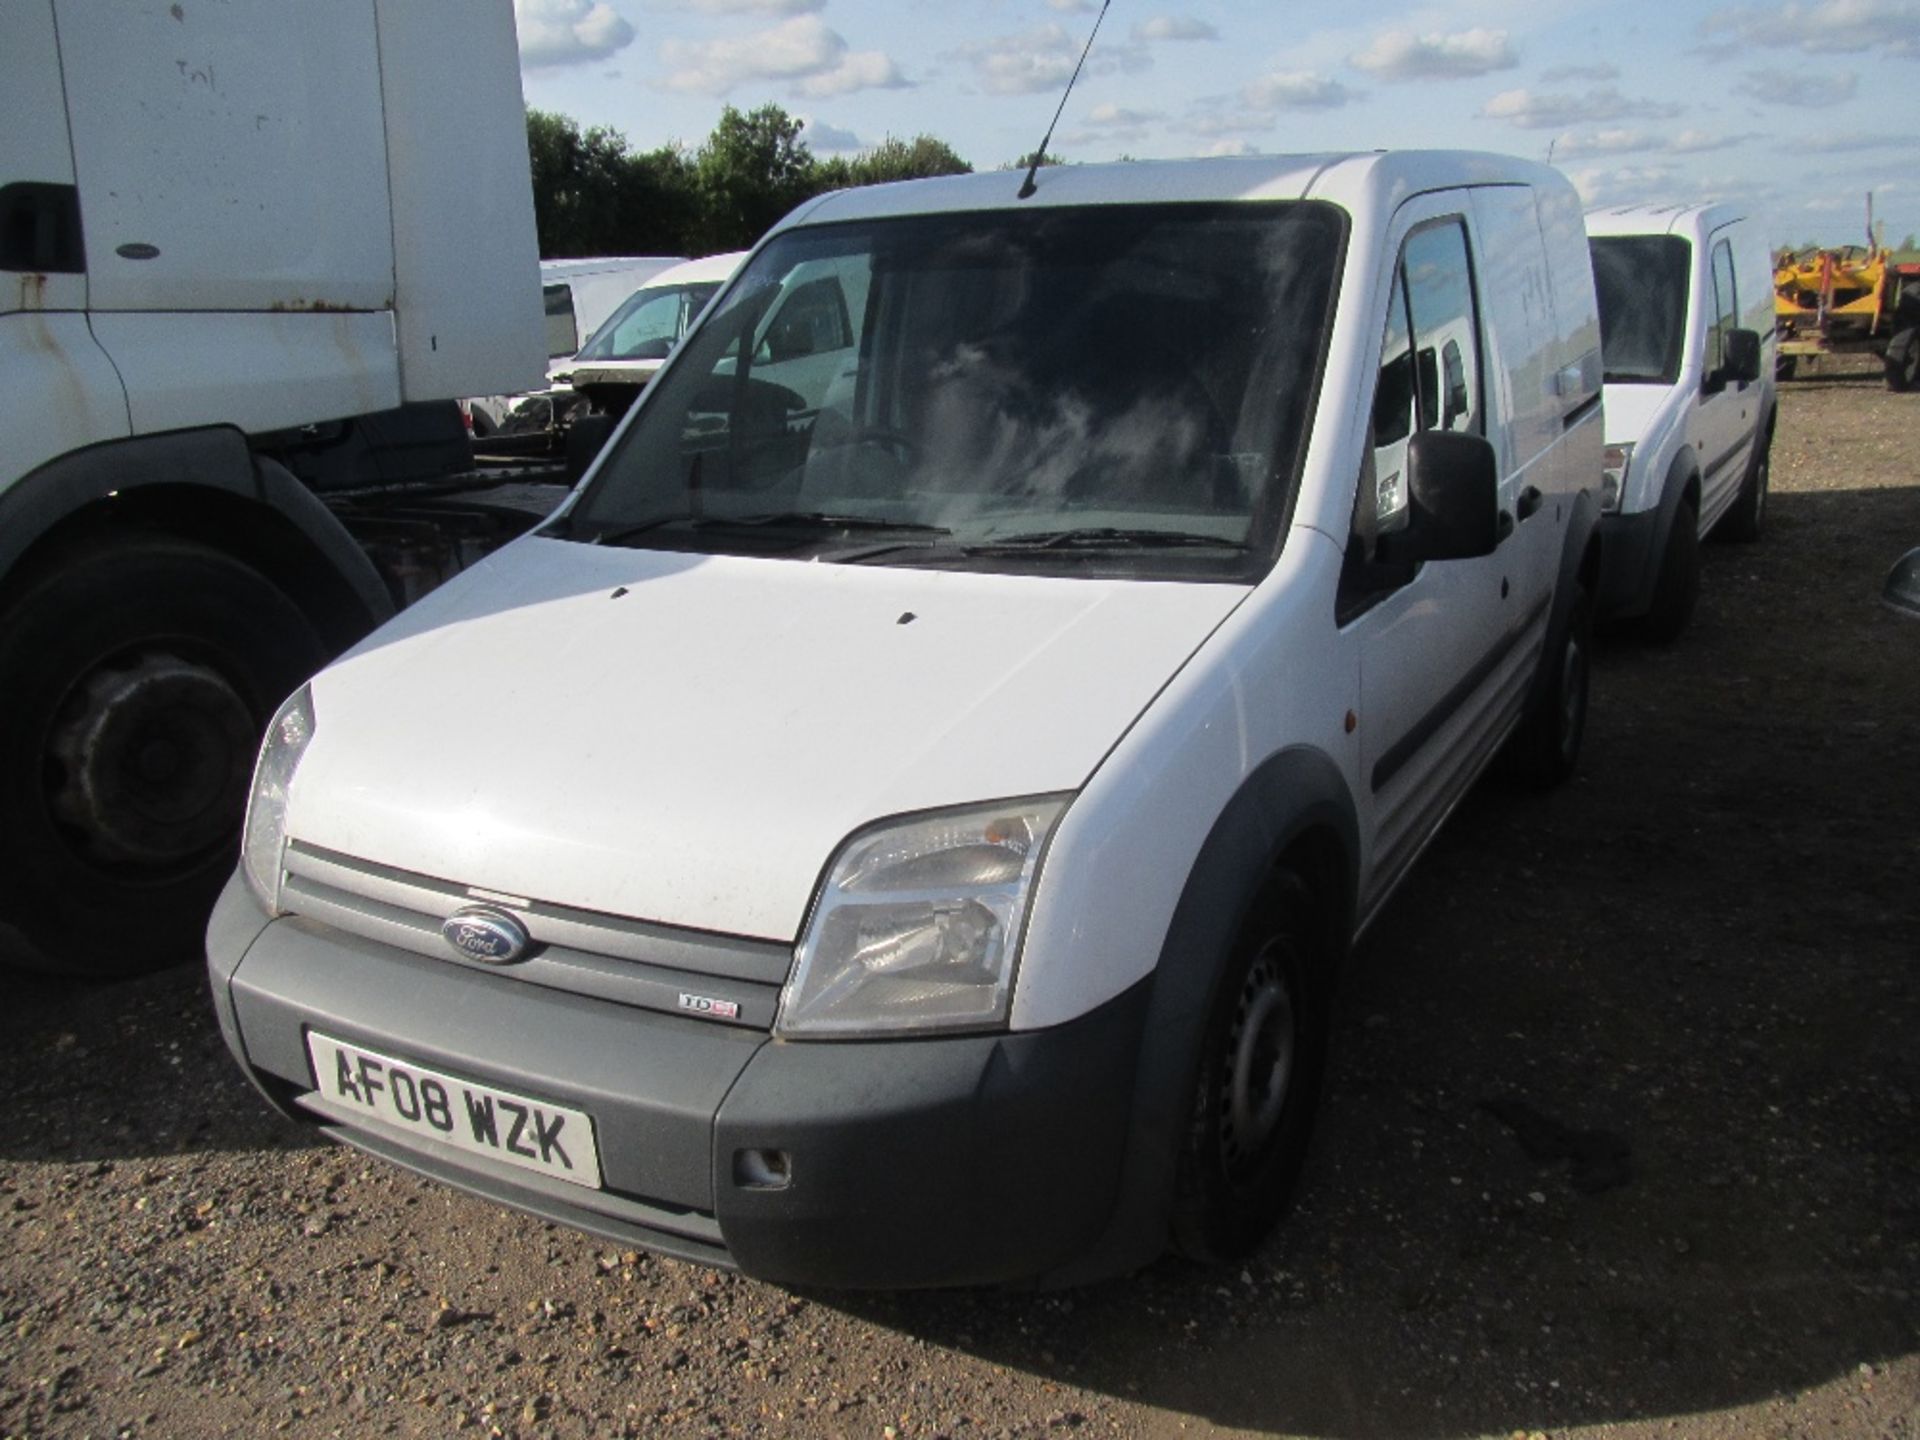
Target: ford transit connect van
point(1686, 319)
point(901, 822)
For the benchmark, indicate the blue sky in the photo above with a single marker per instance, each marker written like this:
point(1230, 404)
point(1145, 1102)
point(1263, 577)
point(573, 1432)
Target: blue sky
point(1796, 107)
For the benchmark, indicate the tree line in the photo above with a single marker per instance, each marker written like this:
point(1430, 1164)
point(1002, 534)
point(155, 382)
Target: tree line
point(593, 194)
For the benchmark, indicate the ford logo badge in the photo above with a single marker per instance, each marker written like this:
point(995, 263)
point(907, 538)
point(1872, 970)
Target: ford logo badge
point(492, 937)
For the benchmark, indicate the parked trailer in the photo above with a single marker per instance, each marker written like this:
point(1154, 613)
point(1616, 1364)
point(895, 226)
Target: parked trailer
point(249, 256)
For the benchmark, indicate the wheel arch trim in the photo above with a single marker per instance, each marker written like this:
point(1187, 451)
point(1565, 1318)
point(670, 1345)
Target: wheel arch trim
point(1295, 807)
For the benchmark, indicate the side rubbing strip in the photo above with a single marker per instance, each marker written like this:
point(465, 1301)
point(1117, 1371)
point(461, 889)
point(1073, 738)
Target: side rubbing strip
point(1429, 724)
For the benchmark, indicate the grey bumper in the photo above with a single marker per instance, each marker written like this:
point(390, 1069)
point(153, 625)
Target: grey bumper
point(963, 1160)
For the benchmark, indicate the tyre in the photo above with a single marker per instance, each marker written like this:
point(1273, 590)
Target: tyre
point(138, 674)
point(1676, 588)
point(1545, 750)
point(1903, 361)
point(1786, 367)
point(1262, 1061)
point(1747, 516)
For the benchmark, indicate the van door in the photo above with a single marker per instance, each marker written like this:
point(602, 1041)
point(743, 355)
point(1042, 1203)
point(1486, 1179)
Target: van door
point(1439, 678)
point(1723, 421)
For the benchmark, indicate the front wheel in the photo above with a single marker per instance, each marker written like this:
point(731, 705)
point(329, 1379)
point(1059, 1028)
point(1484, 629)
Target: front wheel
point(138, 675)
point(1747, 517)
point(1903, 361)
point(1545, 750)
point(1676, 589)
point(1263, 1057)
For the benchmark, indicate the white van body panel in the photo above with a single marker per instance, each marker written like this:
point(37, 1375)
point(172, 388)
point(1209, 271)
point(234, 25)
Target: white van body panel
point(244, 263)
point(772, 708)
point(1276, 674)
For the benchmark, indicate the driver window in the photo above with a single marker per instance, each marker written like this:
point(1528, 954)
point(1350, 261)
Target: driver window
point(1429, 371)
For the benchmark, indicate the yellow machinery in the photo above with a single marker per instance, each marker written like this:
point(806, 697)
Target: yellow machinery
point(1851, 300)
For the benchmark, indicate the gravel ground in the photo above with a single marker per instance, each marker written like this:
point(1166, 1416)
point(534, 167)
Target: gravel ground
point(1621, 1136)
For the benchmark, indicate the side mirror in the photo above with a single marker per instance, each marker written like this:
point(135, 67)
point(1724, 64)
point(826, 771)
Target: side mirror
point(1902, 591)
point(1743, 356)
point(1453, 492)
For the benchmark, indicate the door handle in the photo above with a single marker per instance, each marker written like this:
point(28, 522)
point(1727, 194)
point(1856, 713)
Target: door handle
point(1529, 501)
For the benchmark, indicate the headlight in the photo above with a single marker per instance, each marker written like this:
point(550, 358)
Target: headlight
point(918, 925)
point(1613, 476)
point(265, 840)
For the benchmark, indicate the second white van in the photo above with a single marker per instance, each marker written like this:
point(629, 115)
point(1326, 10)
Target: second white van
point(1686, 317)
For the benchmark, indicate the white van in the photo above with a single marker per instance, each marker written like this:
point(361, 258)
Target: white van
point(1686, 318)
point(630, 347)
point(901, 822)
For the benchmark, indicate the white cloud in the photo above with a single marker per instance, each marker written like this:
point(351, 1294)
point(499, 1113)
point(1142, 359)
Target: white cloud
point(1831, 27)
point(1799, 88)
point(1599, 73)
point(1846, 142)
point(1231, 147)
point(1042, 59)
point(802, 51)
point(1071, 7)
point(1576, 146)
point(1629, 185)
point(1120, 115)
point(1403, 55)
point(1531, 111)
point(568, 32)
point(1295, 90)
point(831, 139)
point(1175, 27)
point(758, 7)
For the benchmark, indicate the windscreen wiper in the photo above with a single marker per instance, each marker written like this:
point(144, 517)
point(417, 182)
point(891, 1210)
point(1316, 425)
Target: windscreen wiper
point(812, 520)
point(1101, 537)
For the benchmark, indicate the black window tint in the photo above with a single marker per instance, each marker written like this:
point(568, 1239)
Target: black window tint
point(1726, 310)
point(562, 338)
point(1641, 281)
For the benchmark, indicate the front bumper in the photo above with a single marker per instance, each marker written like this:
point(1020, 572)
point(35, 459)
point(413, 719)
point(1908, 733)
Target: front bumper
point(1629, 564)
point(941, 1161)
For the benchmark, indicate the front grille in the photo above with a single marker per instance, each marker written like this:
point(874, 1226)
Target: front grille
point(628, 962)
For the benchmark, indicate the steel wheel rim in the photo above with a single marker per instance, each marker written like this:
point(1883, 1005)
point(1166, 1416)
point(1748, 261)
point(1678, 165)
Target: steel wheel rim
point(1257, 1074)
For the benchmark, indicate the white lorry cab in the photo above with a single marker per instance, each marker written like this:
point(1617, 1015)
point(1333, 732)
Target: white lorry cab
point(901, 822)
point(1686, 315)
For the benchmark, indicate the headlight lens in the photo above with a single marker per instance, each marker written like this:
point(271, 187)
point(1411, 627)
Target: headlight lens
point(1613, 476)
point(264, 842)
point(918, 926)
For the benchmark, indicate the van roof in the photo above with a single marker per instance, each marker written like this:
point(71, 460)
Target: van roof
point(554, 270)
point(1690, 220)
point(1356, 180)
point(693, 272)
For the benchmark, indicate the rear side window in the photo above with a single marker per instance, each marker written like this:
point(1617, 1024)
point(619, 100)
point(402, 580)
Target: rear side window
point(1641, 281)
point(1429, 367)
point(1726, 307)
point(562, 338)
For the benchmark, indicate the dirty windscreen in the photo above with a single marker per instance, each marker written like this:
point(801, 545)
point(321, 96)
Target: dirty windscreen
point(1642, 285)
point(1096, 390)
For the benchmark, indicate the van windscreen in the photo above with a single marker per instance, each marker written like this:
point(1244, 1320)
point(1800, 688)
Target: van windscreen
point(1642, 285)
point(1111, 390)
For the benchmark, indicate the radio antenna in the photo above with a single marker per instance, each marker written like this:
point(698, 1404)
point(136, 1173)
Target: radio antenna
point(1027, 187)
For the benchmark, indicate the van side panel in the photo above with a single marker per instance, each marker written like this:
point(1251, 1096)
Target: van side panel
point(1516, 299)
point(37, 150)
point(1274, 675)
point(466, 260)
point(246, 158)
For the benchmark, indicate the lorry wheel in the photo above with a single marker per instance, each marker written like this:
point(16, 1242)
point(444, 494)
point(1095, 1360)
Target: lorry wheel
point(1677, 587)
point(1545, 749)
point(1263, 1056)
point(1903, 361)
point(138, 676)
point(1748, 514)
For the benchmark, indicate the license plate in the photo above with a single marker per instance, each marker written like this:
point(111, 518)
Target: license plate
point(533, 1134)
